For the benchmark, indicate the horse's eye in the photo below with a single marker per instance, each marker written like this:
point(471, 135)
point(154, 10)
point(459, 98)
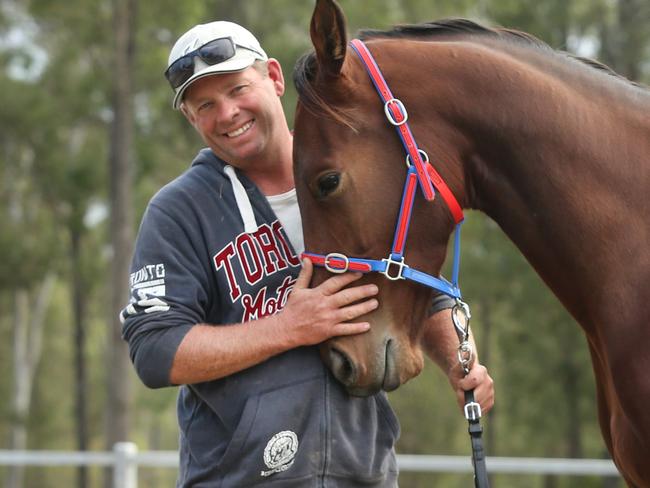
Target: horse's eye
point(328, 183)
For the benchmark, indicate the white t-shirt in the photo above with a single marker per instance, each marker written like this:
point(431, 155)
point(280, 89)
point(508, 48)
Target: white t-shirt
point(285, 207)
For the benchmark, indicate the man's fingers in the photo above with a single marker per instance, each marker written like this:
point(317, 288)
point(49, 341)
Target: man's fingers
point(351, 312)
point(469, 382)
point(477, 374)
point(480, 381)
point(484, 398)
point(304, 277)
point(329, 286)
point(351, 328)
point(335, 283)
point(354, 294)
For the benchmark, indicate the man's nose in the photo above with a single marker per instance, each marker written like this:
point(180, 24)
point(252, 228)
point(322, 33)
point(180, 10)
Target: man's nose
point(227, 110)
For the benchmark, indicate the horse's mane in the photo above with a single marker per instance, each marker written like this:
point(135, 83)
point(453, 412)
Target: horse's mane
point(458, 27)
point(305, 69)
point(451, 27)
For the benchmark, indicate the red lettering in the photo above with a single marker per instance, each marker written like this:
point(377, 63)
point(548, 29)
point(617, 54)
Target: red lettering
point(260, 306)
point(222, 259)
point(253, 308)
point(284, 290)
point(270, 307)
point(277, 232)
point(270, 248)
point(249, 258)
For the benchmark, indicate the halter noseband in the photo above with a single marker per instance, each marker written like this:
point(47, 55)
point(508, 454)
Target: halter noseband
point(419, 170)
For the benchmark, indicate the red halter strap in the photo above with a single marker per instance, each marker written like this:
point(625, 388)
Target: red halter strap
point(397, 116)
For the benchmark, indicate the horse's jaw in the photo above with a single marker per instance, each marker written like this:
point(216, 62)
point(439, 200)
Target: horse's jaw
point(381, 359)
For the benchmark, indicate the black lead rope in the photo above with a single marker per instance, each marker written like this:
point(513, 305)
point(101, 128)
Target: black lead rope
point(473, 416)
point(472, 409)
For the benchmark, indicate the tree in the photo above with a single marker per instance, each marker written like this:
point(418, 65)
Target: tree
point(121, 160)
point(28, 244)
point(625, 37)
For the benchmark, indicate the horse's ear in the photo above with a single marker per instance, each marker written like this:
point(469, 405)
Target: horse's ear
point(328, 34)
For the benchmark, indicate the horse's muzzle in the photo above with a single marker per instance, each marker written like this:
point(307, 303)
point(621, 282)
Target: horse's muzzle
point(365, 379)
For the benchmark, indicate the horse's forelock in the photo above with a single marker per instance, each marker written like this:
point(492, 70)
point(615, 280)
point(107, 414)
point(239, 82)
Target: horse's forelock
point(305, 75)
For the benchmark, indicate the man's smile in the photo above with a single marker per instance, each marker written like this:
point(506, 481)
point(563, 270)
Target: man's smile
point(239, 131)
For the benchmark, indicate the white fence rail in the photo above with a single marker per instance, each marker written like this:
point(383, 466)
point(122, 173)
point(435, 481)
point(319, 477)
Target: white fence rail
point(125, 460)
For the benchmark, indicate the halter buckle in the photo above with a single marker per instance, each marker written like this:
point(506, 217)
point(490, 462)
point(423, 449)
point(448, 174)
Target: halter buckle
point(400, 268)
point(472, 411)
point(423, 155)
point(336, 255)
point(402, 109)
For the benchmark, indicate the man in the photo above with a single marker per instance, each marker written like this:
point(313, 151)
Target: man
point(221, 305)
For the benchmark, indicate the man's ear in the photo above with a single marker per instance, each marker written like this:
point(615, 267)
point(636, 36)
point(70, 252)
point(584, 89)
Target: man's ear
point(329, 37)
point(275, 73)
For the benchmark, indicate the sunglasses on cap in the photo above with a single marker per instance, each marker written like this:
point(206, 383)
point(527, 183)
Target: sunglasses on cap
point(211, 53)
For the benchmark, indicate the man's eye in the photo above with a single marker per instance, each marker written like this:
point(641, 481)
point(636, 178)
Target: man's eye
point(328, 183)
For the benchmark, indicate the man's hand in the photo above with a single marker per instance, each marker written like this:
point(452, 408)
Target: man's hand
point(440, 342)
point(477, 379)
point(313, 315)
point(310, 316)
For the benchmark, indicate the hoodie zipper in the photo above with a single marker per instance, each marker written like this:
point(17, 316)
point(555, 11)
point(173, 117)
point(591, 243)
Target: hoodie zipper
point(326, 431)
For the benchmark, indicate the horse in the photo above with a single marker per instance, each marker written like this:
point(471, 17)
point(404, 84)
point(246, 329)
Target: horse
point(554, 148)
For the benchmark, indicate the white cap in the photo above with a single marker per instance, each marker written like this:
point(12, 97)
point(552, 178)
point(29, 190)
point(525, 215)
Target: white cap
point(248, 50)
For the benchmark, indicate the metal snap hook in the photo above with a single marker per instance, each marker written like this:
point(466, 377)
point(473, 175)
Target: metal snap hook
point(465, 355)
point(461, 327)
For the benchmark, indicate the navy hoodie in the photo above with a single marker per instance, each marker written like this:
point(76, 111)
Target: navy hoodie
point(285, 422)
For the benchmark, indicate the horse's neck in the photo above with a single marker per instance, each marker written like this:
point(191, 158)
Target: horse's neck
point(566, 178)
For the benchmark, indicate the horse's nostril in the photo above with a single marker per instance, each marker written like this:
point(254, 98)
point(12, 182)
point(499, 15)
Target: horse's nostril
point(342, 368)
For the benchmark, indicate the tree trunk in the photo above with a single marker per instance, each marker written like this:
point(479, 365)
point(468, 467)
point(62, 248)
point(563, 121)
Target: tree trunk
point(21, 386)
point(632, 19)
point(28, 341)
point(121, 144)
point(623, 42)
point(571, 383)
point(79, 317)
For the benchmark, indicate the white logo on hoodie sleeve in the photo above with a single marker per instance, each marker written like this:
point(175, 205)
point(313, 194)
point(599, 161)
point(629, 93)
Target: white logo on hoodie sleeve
point(147, 285)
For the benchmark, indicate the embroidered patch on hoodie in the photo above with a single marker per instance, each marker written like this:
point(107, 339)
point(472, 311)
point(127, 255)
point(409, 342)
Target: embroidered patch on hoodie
point(280, 452)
